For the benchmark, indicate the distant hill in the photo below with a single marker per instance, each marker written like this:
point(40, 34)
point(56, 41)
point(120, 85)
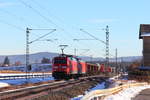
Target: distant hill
point(127, 59)
point(37, 57)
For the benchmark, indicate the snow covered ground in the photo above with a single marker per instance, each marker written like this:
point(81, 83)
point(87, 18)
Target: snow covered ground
point(97, 87)
point(4, 83)
point(7, 79)
point(127, 94)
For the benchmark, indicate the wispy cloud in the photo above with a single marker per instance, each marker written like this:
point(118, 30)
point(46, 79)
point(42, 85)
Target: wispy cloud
point(5, 4)
point(101, 20)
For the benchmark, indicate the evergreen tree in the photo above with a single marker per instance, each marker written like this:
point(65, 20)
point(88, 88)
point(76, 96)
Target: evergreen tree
point(6, 61)
point(45, 60)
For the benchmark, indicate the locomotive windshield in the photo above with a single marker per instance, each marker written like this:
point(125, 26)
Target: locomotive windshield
point(60, 61)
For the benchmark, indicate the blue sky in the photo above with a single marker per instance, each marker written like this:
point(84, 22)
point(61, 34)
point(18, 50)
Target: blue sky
point(67, 16)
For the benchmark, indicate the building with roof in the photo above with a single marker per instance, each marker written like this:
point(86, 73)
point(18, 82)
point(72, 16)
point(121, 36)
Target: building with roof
point(144, 34)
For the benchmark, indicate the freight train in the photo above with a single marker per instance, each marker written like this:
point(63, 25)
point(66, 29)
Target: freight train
point(69, 66)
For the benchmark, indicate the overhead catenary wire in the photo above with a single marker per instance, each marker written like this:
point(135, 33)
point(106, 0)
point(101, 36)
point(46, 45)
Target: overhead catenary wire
point(39, 5)
point(39, 13)
point(43, 36)
point(46, 10)
point(44, 17)
point(21, 19)
point(11, 14)
point(16, 17)
point(106, 43)
point(55, 17)
point(92, 36)
point(47, 19)
point(12, 25)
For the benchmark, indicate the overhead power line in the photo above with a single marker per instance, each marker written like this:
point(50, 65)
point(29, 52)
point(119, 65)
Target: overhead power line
point(46, 10)
point(21, 19)
point(12, 25)
point(11, 14)
point(44, 17)
point(38, 12)
point(92, 36)
point(82, 39)
point(43, 35)
point(28, 42)
point(58, 18)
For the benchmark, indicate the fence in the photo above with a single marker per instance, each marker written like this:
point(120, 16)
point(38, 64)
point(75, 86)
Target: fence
point(22, 76)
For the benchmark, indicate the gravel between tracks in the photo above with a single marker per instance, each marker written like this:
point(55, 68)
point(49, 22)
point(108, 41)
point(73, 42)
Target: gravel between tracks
point(68, 93)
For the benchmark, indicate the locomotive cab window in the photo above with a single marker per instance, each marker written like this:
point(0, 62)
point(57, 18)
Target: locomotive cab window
point(60, 61)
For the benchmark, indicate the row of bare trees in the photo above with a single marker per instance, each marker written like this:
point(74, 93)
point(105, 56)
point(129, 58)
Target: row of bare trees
point(6, 62)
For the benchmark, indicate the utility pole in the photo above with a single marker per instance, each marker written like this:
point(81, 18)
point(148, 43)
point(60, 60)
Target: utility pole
point(107, 45)
point(75, 51)
point(91, 58)
point(28, 42)
point(122, 64)
point(105, 42)
point(27, 50)
point(116, 60)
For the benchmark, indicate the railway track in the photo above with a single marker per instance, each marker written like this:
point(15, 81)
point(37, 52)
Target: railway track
point(40, 90)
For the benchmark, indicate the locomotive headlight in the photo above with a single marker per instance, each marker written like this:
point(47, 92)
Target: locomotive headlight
point(55, 66)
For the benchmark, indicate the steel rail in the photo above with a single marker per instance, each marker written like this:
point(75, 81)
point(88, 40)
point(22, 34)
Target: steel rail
point(54, 86)
point(21, 91)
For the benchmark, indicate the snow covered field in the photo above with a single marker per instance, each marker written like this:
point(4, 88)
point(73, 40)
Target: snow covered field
point(4, 83)
point(127, 94)
point(97, 87)
point(7, 79)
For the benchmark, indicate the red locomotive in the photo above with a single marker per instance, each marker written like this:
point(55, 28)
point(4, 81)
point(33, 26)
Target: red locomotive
point(68, 66)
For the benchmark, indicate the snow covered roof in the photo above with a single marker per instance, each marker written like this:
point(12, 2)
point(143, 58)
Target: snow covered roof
point(144, 30)
point(145, 34)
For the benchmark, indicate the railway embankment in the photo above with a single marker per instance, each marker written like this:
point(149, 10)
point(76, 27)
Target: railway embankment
point(70, 92)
